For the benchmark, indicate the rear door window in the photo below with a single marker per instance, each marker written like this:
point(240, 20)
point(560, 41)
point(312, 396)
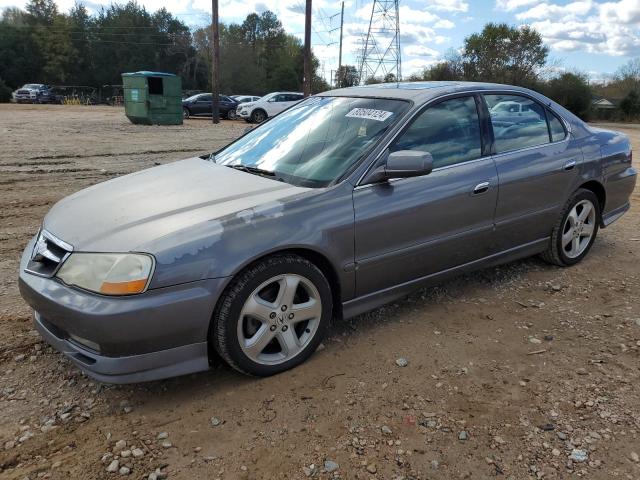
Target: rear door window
point(518, 122)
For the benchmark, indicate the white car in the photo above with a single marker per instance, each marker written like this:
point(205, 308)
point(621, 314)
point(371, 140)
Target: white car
point(268, 106)
point(245, 98)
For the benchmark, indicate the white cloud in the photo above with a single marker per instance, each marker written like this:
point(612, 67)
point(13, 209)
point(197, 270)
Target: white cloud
point(510, 5)
point(625, 11)
point(444, 23)
point(420, 51)
point(449, 5)
point(568, 11)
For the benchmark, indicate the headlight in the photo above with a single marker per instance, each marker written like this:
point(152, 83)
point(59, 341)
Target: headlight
point(108, 273)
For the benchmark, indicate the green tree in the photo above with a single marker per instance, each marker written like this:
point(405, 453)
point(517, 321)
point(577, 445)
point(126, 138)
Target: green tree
point(572, 91)
point(5, 92)
point(504, 54)
point(630, 105)
point(346, 76)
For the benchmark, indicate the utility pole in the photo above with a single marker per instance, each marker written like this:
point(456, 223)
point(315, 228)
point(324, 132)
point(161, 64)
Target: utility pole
point(215, 64)
point(307, 49)
point(340, 72)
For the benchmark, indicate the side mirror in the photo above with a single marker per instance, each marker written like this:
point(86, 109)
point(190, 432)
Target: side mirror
point(402, 164)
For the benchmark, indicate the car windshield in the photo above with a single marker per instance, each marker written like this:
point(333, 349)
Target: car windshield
point(32, 85)
point(193, 97)
point(313, 143)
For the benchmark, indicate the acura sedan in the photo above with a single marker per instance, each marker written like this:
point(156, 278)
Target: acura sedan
point(343, 202)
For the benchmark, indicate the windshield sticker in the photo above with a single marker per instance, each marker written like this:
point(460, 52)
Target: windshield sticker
point(369, 114)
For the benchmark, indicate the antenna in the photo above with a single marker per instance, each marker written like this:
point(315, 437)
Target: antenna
point(381, 53)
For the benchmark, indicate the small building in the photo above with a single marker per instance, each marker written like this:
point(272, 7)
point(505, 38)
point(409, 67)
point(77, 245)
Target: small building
point(153, 98)
point(603, 104)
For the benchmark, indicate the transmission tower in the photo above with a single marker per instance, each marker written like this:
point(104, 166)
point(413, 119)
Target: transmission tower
point(380, 54)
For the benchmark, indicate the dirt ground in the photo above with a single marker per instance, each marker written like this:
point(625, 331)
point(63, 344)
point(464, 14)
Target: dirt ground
point(520, 371)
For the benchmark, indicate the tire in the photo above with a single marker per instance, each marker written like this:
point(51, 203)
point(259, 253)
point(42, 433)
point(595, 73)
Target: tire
point(585, 230)
point(259, 288)
point(231, 114)
point(258, 116)
point(185, 113)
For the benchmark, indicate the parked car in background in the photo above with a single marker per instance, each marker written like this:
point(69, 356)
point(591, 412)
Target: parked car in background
point(33, 93)
point(245, 98)
point(268, 106)
point(344, 202)
point(200, 105)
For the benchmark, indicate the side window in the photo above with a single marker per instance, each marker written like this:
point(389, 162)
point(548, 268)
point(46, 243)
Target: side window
point(281, 98)
point(206, 98)
point(516, 128)
point(557, 128)
point(449, 131)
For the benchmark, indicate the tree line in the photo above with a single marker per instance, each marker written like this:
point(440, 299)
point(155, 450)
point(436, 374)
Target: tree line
point(40, 44)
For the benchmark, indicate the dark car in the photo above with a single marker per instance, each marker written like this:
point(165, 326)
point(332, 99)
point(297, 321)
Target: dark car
point(200, 105)
point(345, 201)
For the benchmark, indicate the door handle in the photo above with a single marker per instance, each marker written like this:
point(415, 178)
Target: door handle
point(569, 165)
point(481, 188)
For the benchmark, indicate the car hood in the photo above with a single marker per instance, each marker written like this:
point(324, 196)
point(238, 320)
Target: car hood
point(247, 104)
point(132, 212)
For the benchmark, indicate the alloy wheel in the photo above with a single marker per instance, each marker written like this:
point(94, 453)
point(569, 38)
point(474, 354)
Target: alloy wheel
point(578, 228)
point(279, 319)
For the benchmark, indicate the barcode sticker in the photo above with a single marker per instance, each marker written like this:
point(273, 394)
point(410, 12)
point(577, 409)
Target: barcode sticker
point(369, 114)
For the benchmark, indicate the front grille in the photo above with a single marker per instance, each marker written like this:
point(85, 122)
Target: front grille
point(48, 254)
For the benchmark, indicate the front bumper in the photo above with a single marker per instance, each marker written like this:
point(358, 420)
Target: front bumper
point(158, 334)
point(243, 113)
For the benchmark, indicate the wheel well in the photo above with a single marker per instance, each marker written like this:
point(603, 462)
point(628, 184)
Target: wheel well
point(328, 271)
point(312, 256)
point(599, 191)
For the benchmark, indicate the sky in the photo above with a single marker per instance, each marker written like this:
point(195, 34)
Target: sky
point(594, 37)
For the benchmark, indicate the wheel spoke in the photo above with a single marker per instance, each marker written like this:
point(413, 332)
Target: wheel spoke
point(307, 310)
point(289, 341)
point(573, 217)
point(256, 344)
point(586, 210)
point(587, 230)
point(288, 287)
point(257, 308)
point(575, 246)
point(567, 238)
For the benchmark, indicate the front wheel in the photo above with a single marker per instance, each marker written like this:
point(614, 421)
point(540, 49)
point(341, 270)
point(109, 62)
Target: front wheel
point(185, 113)
point(258, 116)
point(272, 316)
point(575, 231)
point(231, 114)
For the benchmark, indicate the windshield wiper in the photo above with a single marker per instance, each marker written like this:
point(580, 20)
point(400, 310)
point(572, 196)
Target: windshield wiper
point(254, 170)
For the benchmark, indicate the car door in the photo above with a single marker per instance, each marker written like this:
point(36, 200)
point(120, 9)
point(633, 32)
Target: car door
point(537, 167)
point(202, 106)
point(277, 104)
point(410, 228)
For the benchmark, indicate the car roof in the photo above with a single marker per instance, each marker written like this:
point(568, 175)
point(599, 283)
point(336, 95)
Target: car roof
point(416, 91)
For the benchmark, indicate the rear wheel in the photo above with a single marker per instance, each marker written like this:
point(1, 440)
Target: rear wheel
point(258, 116)
point(273, 315)
point(576, 230)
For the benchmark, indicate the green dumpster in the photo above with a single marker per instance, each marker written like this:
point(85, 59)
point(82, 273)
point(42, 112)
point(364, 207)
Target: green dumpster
point(153, 98)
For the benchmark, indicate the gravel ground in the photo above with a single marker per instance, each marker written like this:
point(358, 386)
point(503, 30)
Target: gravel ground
point(520, 371)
